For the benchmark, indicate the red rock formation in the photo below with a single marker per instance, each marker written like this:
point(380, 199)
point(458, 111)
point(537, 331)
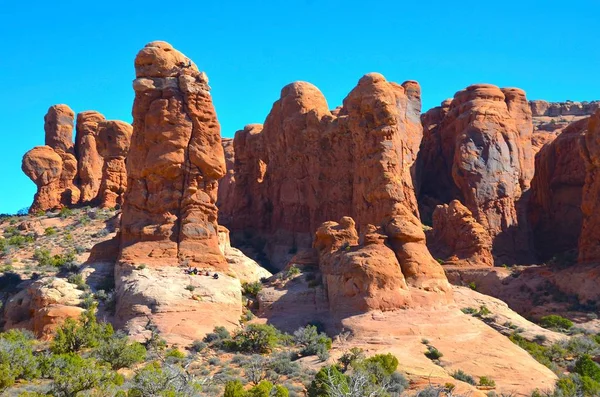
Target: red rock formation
point(58, 124)
point(114, 139)
point(225, 195)
point(44, 167)
point(458, 238)
point(556, 192)
point(589, 248)
point(89, 161)
point(308, 166)
point(480, 139)
point(175, 161)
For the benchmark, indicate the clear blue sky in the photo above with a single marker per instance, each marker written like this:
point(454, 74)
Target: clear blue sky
point(81, 53)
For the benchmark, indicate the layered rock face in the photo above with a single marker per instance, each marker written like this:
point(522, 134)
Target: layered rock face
point(458, 238)
point(89, 161)
point(477, 149)
point(556, 192)
point(44, 167)
point(114, 139)
point(589, 248)
point(307, 165)
point(169, 216)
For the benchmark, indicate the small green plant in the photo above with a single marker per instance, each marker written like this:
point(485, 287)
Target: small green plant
point(463, 377)
point(50, 231)
point(190, 288)
point(141, 267)
point(472, 285)
point(252, 289)
point(440, 261)
point(433, 354)
point(119, 353)
point(469, 310)
point(311, 342)
point(292, 272)
point(487, 381)
point(555, 321)
point(65, 212)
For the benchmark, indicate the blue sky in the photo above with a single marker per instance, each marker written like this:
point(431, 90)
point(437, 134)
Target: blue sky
point(81, 53)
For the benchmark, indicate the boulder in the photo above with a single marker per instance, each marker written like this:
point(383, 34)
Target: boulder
point(44, 167)
point(43, 306)
point(114, 139)
point(89, 161)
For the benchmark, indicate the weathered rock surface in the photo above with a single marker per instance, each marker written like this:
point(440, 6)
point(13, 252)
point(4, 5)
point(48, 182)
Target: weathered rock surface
point(173, 166)
point(307, 165)
point(589, 247)
point(556, 193)
point(89, 161)
point(114, 139)
point(169, 216)
point(458, 239)
point(225, 197)
point(476, 150)
point(43, 306)
point(44, 167)
point(245, 269)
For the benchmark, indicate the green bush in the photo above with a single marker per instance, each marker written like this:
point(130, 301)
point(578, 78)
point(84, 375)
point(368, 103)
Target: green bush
point(16, 358)
point(43, 257)
point(50, 231)
point(167, 381)
point(320, 386)
point(463, 377)
point(198, 346)
point(65, 212)
point(585, 366)
point(433, 354)
point(72, 336)
point(388, 362)
point(252, 289)
point(351, 356)
point(311, 342)
point(554, 321)
point(255, 338)
point(119, 352)
point(234, 389)
point(72, 374)
point(292, 271)
point(281, 363)
point(487, 381)
point(541, 353)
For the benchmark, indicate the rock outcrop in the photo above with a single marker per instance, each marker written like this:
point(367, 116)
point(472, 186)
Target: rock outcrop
point(44, 167)
point(114, 139)
point(307, 165)
point(225, 197)
point(589, 248)
point(89, 161)
point(169, 216)
point(43, 306)
point(477, 149)
point(458, 239)
point(556, 193)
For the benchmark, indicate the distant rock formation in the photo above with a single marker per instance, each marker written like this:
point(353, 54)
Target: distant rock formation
point(226, 193)
point(114, 139)
point(477, 149)
point(89, 161)
point(307, 165)
point(556, 192)
point(65, 173)
point(458, 239)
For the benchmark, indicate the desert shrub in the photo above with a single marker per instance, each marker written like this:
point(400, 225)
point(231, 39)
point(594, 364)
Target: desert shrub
point(218, 337)
point(473, 286)
point(293, 271)
point(469, 310)
point(487, 381)
point(354, 354)
point(580, 345)
point(44, 258)
point(72, 336)
point(198, 346)
point(168, 381)
point(540, 339)
point(387, 362)
point(72, 374)
point(234, 388)
point(19, 241)
point(585, 366)
point(555, 321)
point(190, 287)
point(65, 212)
point(463, 377)
point(311, 342)
point(87, 300)
point(326, 378)
point(252, 289)
point(433, 354)
point(119, 352)
point(16, 358)
point(255, 338)
point(77, 279)
point(50, 231)
point(541, 353)
point(282, 364)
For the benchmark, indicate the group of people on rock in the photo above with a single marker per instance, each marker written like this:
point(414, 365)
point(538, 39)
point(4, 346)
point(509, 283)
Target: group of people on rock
point(197, 272)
